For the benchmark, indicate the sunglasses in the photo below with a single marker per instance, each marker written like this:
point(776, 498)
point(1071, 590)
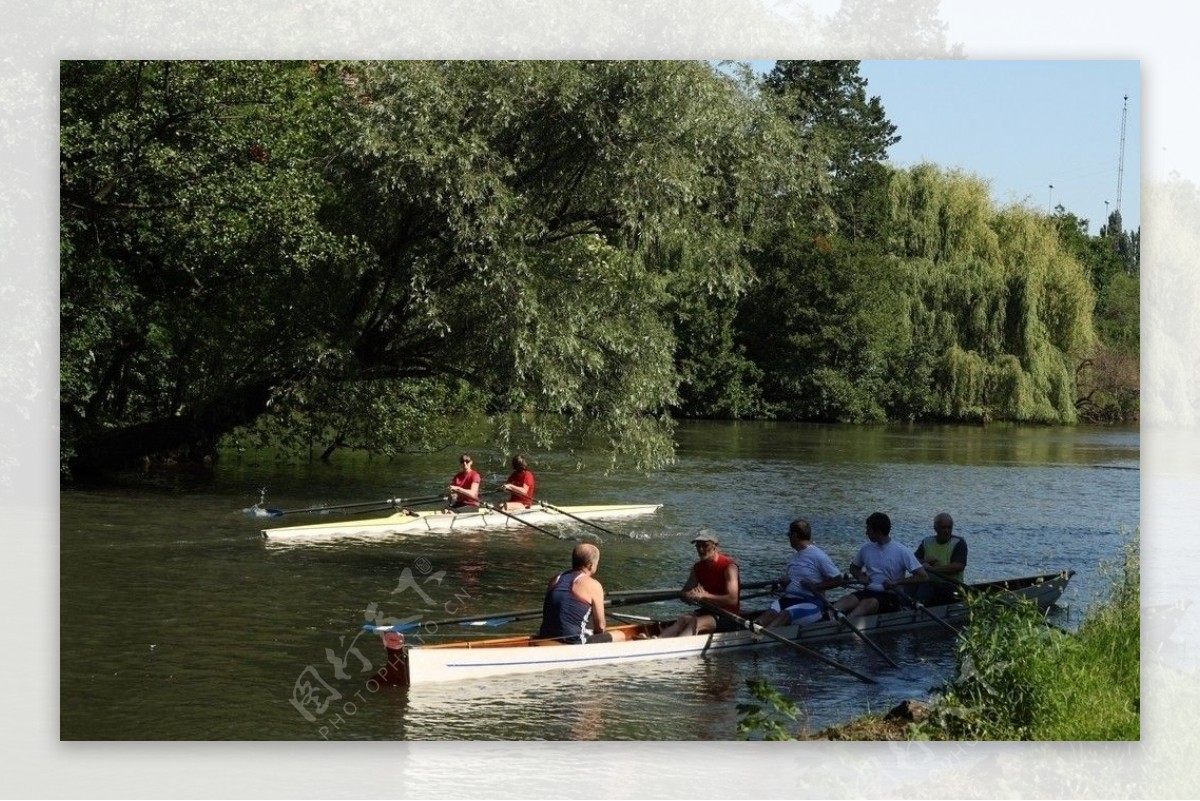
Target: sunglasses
point(465, 461)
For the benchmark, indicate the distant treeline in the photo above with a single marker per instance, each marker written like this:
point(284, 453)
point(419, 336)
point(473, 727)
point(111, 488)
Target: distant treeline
point(355, 254)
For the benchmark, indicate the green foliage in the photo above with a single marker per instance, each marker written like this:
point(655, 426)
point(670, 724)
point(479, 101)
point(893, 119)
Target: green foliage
point(828, 104)
point(1118, 312)
point(1108, 378)
point(823, 325)
point(245, 236)
point(573, 249)
point(1003, 308)
point(376, 416)
point(771, 718)
point(192, 253)
point(1020, 679)
point(959, 311)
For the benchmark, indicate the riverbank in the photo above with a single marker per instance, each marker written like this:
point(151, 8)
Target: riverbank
point(1020, 678)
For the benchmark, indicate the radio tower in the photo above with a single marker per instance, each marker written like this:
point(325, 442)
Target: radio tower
point(1121, 156)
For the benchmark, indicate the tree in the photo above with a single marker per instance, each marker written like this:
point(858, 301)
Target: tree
point(242, 238)
point(820, 324)
point(192, 249)
point(1004, 309)
point(823, 325)
point(827, 102)
point(1107, 378)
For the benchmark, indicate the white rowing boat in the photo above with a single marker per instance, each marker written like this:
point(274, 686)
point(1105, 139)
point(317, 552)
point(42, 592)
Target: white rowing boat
point(442, 522)
point(411, 661)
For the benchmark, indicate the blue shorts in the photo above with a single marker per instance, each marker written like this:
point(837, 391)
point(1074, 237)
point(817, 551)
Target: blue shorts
point(802, 609)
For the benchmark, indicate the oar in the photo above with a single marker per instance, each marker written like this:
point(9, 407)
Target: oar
point(554, 508)
point(913, 603)
point(615, 599)
point(862, 635)
point(757, 629)
point(491, 507)
point(476, 620)
point(258, 511)
point(626, 598)
point(669, 594)
point(562, 511)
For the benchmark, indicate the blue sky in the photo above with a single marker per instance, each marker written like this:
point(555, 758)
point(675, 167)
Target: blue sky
point(1022, 126)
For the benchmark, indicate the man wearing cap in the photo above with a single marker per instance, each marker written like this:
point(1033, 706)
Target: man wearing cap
point(713, 579)
point(809, 573)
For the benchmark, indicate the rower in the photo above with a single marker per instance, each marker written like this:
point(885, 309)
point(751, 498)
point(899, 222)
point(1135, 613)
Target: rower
point(573, 610)
point(714, 579)
point(520, 486)
point(464, 487)
point(809, 573)
point(942, 555)
point(882, 565)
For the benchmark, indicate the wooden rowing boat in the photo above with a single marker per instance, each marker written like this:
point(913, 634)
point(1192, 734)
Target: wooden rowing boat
point(441, 522)
point(412, 661)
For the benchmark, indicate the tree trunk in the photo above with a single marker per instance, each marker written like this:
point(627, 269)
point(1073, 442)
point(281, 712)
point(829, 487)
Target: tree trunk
point(120, 447)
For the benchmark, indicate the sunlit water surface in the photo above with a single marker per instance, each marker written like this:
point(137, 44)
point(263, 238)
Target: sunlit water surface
point(180, 622)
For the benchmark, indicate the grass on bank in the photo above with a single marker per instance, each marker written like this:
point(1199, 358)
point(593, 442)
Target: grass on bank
point(1021, 679)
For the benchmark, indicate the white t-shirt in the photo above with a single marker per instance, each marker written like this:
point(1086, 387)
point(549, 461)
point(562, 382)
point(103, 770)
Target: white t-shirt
point(888, 562)
point(809, 565)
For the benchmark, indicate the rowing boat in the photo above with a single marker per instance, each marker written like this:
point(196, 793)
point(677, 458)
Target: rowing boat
point(441, 522)
point(412, 661)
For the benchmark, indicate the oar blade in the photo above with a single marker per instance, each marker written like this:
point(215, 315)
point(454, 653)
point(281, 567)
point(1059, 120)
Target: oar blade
point(490, 622)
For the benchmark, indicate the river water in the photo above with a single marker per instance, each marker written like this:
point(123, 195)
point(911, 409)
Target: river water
point(181, 623)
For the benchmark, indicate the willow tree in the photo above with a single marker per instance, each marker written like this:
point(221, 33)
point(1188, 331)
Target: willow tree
point(319, 242)
point(999, 311)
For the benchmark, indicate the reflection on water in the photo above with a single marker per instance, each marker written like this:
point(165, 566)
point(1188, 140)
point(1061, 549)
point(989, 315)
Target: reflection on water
point(181, 623)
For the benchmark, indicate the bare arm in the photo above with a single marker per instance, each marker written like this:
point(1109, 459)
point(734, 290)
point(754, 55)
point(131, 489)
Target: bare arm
point(522, 490)
point(471, 492)
point(827, 584)
point(732, 592)
point(917, 577)
point(596, 591)
point(690, 584)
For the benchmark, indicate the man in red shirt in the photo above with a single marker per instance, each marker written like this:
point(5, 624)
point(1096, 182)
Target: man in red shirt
point(714, 579)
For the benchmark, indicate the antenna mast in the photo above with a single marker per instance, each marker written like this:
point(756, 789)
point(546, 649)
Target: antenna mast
point(1121, 156)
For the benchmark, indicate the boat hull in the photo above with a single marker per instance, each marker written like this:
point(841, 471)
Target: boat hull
point(421, 523)
point(412, 662)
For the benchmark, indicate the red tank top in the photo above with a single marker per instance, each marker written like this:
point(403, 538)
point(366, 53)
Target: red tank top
point(711, 575)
